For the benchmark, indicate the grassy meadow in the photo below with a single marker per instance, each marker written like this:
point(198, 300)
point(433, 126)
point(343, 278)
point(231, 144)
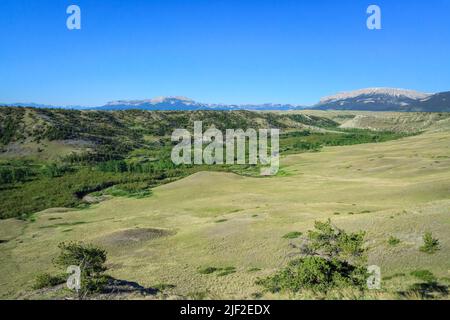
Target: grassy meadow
point(212, 235)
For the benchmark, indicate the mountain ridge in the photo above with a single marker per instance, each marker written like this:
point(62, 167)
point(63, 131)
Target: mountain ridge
point(184, 103)
point(386, 99)
point(369, 99)
point(394, 92)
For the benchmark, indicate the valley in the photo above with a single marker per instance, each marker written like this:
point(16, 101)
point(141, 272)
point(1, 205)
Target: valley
point(385, 173)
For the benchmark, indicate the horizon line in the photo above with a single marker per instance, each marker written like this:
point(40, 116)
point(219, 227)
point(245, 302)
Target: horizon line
point(68, 106)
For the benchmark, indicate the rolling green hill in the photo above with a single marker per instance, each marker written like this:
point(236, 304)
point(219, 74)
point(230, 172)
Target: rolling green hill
point(55, 158)
point(384, 174)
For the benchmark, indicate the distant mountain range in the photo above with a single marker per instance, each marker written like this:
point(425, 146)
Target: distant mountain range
point(41, 106)
point(371, 99)
point(183, 103)
point(386, 99)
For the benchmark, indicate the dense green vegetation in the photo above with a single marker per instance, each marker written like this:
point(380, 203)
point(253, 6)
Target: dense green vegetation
point(128, 128)
point(91, 261)
point(23, 199)
point(46, 280)
point(126, 153)
point(297, 141)
point(10, 123)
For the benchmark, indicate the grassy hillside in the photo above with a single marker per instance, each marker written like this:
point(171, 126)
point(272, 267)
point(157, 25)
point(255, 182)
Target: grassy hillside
point(30, 132)
point(108, 151)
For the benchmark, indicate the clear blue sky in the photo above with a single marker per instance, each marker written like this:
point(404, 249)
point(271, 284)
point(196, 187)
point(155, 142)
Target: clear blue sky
point(228, 51)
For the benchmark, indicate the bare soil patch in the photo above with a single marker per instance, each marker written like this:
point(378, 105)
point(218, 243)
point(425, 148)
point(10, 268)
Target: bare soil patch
point(131, 236)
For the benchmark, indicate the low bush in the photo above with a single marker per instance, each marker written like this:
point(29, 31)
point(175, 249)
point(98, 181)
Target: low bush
point(424, 275)
point(430, 244)
point(91, 261)
point(207, 270)
point(46, 280)
point(316, 273)
point(226, 271)
point(393, 241)
point(132, 189)
point(330, 258)
point(220, 271)
point(292, 235)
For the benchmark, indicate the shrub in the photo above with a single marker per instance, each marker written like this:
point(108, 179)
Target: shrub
point(292, 235)
point(395, 275)
point(46, 280)
point(131, 189)
point(207, 270)
point(220, 271)
point(393, 241)
point(226, 271)
point(424, 275)
point(90, 258)
point(430, 244)
point(331, 242)
point(316, 273)
point(91, 261)
point(330, 258)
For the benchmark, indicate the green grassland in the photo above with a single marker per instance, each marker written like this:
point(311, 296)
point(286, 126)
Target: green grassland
point(78, 153)
point(235, 225)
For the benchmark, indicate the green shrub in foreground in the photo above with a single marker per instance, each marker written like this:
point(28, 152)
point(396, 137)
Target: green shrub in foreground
point(46, 280)
point(430, 244)
point(330, 258)
point(316, 273)
point(91, 261)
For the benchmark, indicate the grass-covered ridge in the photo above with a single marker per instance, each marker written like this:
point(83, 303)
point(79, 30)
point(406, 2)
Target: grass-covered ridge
point(115, 151)
point(213, 234)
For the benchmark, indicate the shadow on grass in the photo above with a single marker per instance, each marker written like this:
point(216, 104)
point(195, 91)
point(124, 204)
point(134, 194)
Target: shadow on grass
point(117, 286)
point(426, 290)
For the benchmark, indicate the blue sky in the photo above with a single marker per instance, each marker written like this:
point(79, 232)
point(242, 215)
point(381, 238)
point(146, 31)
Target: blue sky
point(225, 51)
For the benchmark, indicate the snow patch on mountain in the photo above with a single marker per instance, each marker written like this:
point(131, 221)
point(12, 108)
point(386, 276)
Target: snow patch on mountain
point(390, 92)
point(184, 103)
